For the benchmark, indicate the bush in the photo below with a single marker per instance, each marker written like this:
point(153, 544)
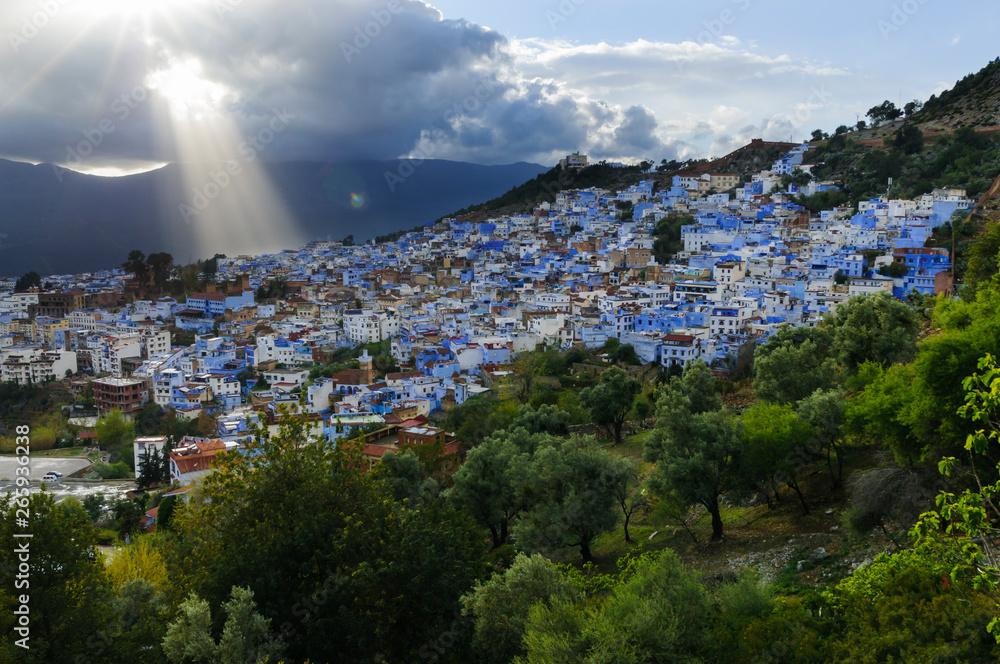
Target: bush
point(106, 536)
point(42, 438)
point(94, 504)
point(901, 609)
point(112, 471)
point(889, 493)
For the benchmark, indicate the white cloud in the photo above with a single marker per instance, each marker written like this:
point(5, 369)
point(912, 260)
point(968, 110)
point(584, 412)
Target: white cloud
point(366, 83)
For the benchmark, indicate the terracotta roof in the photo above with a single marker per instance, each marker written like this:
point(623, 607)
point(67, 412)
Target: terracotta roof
point(194, 463)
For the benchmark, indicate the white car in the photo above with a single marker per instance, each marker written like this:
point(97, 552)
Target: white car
point(51, 476)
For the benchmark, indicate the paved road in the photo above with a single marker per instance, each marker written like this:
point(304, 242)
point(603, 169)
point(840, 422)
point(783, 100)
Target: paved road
point(38, 466)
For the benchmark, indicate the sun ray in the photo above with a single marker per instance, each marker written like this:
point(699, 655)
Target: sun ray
point(229, 202)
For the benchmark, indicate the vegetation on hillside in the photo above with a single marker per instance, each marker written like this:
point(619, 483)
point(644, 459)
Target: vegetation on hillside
point(293, 542)
point(965, 160)
point(605, 511)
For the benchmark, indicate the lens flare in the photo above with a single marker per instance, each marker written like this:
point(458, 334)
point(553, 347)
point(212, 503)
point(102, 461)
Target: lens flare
point(357, 201)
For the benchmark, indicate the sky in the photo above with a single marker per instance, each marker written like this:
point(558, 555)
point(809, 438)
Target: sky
point(117, 86)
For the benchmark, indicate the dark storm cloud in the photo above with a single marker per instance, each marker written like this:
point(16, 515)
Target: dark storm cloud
point(362, 80)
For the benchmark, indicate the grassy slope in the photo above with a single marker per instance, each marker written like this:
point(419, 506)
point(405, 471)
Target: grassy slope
point(769, 541)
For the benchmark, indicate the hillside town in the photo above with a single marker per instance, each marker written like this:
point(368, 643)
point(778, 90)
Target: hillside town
point(458, 301)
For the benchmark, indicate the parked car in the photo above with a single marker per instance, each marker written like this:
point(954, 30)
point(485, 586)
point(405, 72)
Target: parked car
point(51, 476)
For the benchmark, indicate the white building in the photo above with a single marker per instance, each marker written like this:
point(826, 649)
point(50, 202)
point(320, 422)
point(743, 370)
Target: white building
point(26, 366)
point(367, 326)
point(145, 445)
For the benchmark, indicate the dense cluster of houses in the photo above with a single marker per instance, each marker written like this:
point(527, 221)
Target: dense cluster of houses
point(458, 300)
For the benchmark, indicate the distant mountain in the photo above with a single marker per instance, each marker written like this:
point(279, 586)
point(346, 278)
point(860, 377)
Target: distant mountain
point(56, 221)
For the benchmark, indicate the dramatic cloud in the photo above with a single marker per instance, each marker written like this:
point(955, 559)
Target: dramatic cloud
point(112, 83)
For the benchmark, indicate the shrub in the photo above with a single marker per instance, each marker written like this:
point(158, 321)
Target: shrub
point(112, 471)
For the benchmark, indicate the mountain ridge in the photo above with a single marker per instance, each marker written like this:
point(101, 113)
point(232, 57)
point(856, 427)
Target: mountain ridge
point(59, 221)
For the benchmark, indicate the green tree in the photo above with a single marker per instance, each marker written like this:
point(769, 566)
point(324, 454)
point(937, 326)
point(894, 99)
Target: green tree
point(572, 487)
point(527, 368)
point(406, 477)
point(137, 266)
point(625, 353)
point(694, 443)
point(69, 594)
point(500, 607)
point(882, 412)
point(610, 401)
point(982, 265)
point(112, 471)
point(823, 410)
point(293, 521)
point(969, 330)
point(93, 503)
point(160, 265)
point(658, 612)
point(546, 418)
point(210, 267)
point(774, 447)
point(902, 608)
point(115, 431)
point(27, 281)
point(127, 512)
point(141, 614)
point(874, 328)
point(154, 467)
point(884, 112)
point(793, 364)
point(189, 638)
point(908, 138)
point(489, 485)
point(629, 492)
point(960, 535)
point(894, 270)
point(479, 416)
point(165, 513)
